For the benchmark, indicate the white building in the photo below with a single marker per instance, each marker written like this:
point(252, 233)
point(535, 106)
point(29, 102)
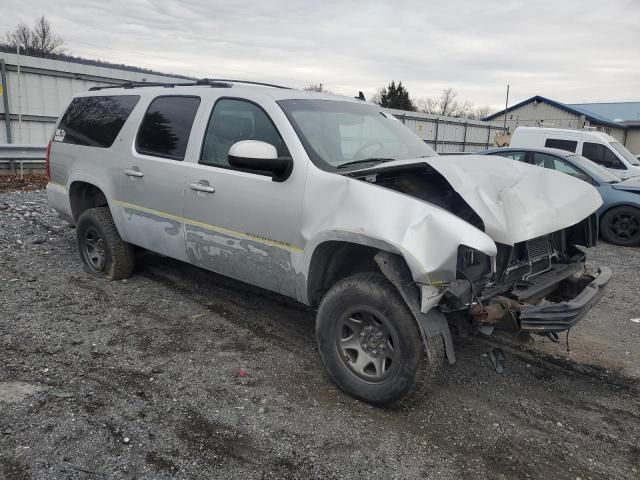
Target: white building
point(543, 112)
point(35, 90)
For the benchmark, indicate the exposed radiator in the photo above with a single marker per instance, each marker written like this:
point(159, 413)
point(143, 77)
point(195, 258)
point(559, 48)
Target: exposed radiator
point(539, 247)
point(539, 252)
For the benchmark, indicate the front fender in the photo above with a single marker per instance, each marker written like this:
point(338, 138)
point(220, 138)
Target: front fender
point(347, 209)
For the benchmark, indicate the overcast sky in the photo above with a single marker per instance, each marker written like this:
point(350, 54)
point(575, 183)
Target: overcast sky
point(571, 51)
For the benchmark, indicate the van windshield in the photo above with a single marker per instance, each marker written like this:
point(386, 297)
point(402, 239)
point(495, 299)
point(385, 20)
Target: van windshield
point(336, 133)
point(626, 154)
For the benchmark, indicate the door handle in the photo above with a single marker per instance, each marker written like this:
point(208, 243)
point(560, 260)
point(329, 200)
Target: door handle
point(134, 172)
point(202, 187)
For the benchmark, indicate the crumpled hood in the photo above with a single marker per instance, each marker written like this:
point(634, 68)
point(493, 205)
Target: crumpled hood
point(517, 201)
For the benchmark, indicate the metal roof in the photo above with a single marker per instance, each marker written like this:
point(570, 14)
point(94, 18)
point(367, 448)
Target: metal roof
point(616, 111)
point(591, 116)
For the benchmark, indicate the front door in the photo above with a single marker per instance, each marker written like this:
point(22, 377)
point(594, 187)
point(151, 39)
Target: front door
point(243, 224)
point(151, 183)
point(604, 156)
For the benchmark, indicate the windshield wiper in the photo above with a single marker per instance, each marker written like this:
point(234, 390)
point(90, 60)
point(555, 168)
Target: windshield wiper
point(366, 160)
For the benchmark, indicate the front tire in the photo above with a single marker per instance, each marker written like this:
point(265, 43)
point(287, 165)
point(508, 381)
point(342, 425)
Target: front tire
point(621, 226)
point(370, 342)
point(102, 251)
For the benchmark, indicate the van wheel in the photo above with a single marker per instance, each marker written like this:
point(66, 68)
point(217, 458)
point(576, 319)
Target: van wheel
point(370, 342)
point(102, 251)
point(621, 226)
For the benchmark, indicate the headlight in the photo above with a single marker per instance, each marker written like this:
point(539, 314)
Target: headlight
point(472, 264)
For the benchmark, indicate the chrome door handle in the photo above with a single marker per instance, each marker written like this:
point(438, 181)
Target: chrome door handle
point(134, 172)
point(200, 187)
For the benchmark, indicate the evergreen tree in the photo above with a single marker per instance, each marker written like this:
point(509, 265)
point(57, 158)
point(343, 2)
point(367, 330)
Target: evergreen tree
point(396, 96)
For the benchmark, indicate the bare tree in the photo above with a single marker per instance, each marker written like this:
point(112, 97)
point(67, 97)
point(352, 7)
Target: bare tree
point(447, 102)
point(461, 109)
point(427, 105)
point(377, 97)
point(39, 41)
point(479, 113)
point(45, 40)
point(20, 36)
point(315, 87)
point(448, 106)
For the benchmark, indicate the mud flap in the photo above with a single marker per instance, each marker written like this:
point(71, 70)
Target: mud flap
point(432, 323)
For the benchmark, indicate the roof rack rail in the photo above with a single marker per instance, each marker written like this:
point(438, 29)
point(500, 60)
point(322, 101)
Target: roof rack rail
point(208, 82)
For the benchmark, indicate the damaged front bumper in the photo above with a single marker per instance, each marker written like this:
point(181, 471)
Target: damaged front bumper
point(560, 316)
point(554, 302)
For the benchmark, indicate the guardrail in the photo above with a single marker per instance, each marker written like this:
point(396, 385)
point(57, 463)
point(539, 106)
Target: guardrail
point(12, 154)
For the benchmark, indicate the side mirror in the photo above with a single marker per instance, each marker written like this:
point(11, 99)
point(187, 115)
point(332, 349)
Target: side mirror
point(259, 156)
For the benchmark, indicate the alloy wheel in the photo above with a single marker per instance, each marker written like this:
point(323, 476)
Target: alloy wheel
point(93, 249)
point(367, 343)
point(625, 226)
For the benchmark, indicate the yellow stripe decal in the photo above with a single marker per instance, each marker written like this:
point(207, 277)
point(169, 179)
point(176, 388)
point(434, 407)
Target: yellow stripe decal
point(195, 223)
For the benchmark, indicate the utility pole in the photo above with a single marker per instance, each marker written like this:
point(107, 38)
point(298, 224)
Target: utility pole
point(19, 95)
point(5, 99)
point(506, 106)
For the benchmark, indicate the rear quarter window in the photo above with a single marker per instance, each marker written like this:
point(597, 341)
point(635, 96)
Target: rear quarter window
point(568, 145)
point(95, 121)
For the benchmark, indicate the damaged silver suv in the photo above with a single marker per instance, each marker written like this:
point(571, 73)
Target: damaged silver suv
point(333, 202)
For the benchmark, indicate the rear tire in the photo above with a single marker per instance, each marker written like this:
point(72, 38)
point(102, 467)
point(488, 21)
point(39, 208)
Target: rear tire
point(621, 226)
point(102, 251)
point(371, 344)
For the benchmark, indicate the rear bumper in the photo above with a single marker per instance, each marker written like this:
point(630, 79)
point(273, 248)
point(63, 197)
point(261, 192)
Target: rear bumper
point(556, 317)
point(58, 197)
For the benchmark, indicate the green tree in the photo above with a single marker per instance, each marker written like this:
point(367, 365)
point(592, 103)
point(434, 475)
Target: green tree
point(396, 96)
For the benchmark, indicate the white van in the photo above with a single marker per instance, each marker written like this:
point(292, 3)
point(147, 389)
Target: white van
point(599, 147)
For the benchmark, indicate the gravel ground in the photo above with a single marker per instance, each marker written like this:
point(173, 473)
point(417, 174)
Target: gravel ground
point(181, 373)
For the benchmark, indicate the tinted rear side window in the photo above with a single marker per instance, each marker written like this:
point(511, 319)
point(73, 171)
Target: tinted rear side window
point(568, 145)
point(95, 121)
point(166, 127)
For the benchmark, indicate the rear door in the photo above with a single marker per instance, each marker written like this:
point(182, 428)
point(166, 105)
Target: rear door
point(238, 223)
point(151, 178)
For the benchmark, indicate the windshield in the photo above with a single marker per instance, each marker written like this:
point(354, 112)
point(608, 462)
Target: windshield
point(626, 154)
point(338, 133)
point(599, 173)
